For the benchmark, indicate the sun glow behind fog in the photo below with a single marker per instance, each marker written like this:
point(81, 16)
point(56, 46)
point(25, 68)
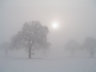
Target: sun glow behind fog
point(55, 25)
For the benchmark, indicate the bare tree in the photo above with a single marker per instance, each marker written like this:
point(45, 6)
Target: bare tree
point(5, 46)
point(90, 45)
point(32, 36)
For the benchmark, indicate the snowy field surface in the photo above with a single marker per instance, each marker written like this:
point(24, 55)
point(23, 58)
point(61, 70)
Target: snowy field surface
point(48, 65)
point(12, 63)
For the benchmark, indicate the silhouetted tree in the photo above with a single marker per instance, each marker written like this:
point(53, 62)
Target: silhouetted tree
point(5, 46)
point(90, 45)
point(32, 36)
point(72, 46)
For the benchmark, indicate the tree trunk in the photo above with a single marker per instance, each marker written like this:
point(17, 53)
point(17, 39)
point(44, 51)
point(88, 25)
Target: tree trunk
point(30, 48)
point(29, 55)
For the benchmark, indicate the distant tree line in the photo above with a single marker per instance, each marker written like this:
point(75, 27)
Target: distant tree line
point(33, 36)
point(88, 45)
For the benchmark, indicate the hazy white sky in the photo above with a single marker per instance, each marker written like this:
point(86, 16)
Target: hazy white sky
point(76, 18)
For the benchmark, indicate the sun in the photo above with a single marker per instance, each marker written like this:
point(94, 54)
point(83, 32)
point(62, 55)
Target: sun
point(55, 25)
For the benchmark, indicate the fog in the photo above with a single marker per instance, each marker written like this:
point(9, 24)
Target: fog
point(76, 18)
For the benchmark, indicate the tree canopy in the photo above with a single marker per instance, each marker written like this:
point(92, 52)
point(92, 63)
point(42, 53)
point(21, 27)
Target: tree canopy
point(32, 36)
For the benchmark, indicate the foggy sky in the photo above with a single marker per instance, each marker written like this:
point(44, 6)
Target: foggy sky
point(76, 17)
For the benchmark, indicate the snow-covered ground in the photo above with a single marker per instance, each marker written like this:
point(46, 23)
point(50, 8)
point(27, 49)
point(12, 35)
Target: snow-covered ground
point(48, 65)
point(16, 62)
